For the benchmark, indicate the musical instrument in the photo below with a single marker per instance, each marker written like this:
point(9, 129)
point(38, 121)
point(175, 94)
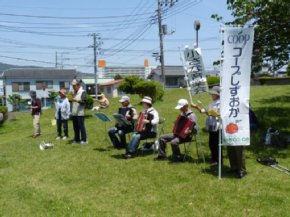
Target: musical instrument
point(140, 126)
point(181, 125)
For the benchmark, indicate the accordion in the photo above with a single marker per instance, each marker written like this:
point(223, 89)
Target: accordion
point(181, 125)
point(140, 126)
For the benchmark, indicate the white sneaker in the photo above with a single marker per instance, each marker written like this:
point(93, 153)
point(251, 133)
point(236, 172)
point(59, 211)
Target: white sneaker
point(64, 138)
point(84, 142)
point(58, 138)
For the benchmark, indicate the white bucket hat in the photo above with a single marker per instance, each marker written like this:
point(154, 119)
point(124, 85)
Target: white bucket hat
point(147, 100)
point(181, 103)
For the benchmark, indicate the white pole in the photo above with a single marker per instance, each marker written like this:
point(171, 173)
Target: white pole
point(220, 119)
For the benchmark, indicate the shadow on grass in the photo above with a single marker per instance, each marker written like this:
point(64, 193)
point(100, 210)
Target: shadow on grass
point(274, 117)
point(109, 148)
point(213, 170)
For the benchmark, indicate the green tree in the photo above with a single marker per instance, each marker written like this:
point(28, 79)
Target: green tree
point(118, 77)
point(153, 89)
point(14, 100)
point(52, 95)
point(128, 86)
point(272, 29)
point(288, 69)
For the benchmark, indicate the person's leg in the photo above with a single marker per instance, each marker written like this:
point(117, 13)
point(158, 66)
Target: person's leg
point(132, 147)
point(36, 124)
point(81, 122)
point(111, 132)
point(162, 144)
point(65, 127)
point(176, 155)
point(122, 136)
point(240, 155)
point(76, 129)
point(232, 158)
point(214, 146)
point(58, 125)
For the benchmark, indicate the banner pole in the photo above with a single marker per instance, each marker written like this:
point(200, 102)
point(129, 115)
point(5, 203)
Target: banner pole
point(220, 119)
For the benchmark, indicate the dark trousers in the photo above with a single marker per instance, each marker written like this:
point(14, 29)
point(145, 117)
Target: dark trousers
point(121, 142)
point(174, 141)
point(237, 158)
point(79, 128)
point(62, 123)
point(213, 141)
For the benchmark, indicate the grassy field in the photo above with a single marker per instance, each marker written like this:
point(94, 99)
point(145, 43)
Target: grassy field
point(93, 179)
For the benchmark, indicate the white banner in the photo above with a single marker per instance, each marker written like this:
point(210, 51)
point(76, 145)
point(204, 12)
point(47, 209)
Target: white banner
point(194, 70)
point(235, 85)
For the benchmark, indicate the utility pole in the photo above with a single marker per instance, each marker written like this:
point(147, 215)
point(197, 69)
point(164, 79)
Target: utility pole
point(56, 63)
point(159, 14)
point(96, 46)
point(162, 32)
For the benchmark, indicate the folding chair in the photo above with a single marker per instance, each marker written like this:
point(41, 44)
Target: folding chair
point(155, 146)
point(198, 146)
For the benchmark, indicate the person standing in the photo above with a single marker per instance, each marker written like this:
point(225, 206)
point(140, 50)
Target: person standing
point(212, 122)
point(187, 119)
point(35, 112)
point(78, 112)
point(237, 160)
point(62, 114)
point(147, 121)
point(128, 112)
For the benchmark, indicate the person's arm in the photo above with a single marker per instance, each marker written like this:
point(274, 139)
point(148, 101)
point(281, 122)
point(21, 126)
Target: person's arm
point(155, 119)
point(201, 110)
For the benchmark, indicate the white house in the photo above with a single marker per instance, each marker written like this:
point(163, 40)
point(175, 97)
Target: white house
point(42, 80)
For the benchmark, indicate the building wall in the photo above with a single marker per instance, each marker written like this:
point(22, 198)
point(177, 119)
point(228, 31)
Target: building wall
point(32, 87)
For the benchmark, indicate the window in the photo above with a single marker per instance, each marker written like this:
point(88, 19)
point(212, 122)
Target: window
point(20, 86)
point(64, 84)
point(44, 84)
point(172, 81)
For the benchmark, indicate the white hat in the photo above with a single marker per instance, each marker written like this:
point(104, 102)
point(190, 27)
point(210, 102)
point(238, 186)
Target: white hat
point(181, 103)
point(215, 90)
point(125, 99)
point(147, 100)
point(75, 82)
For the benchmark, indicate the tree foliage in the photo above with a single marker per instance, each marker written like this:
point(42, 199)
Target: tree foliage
point(14, 100)
point(153, 89)
point(272, 21)
point(128, 86)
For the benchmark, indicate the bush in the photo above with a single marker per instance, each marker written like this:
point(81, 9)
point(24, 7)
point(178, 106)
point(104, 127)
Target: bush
point(3, 114)
point(150, 88)
point(89, 102)
point(213, 80)
point(128, 86)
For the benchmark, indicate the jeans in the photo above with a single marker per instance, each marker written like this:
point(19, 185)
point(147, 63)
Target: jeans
point(60, 124)
point(114, 139)
point(79, 128)
point(134, 143)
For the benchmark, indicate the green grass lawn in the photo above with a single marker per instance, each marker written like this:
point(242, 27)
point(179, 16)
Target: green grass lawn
point(93, 180)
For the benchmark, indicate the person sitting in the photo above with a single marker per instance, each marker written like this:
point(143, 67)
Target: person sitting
point(103, 102)
point(130, 114)
point(146, 127)
point(184, 129)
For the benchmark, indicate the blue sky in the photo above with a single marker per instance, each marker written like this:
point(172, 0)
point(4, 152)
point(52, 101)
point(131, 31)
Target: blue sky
point(36, 29)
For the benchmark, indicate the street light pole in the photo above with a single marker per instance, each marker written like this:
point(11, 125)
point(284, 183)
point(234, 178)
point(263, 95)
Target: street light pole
point(196, 27)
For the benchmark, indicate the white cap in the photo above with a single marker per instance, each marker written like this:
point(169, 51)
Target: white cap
point(181, 103)
point(147, 100)
point(124, 99)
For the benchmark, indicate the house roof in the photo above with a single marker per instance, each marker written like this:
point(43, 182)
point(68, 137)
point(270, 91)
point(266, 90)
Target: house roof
point(169, 71)
point(109, 83)
point(39, 73)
